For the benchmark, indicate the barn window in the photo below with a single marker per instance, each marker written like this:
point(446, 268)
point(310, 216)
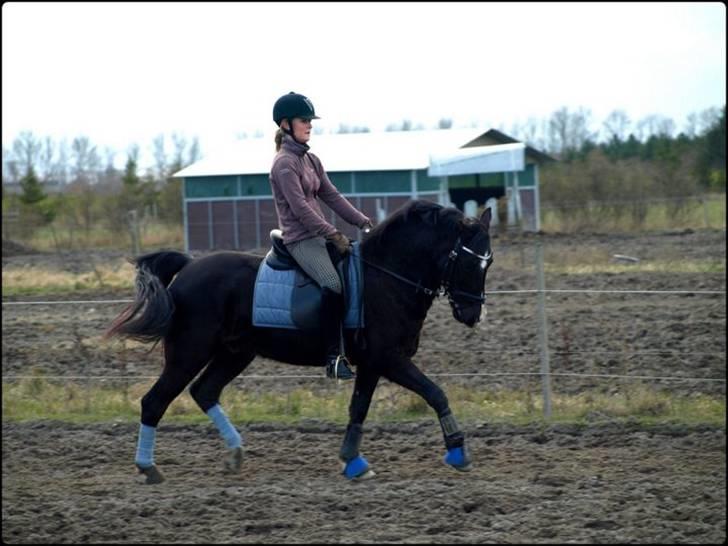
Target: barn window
point(383, 181)
point(211, 186)
point(255, 184)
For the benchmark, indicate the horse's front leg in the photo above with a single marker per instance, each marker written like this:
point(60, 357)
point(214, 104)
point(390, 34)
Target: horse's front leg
point(406, 374)
point(356, 466)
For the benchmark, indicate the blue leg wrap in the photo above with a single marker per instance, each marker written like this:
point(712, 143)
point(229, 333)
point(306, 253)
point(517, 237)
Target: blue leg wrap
point(145, 446)
point(457, 457)
point(227, 430)
point(356, 467)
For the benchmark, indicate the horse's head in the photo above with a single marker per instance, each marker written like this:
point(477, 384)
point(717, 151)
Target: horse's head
point(467, 267)
point(456, 252)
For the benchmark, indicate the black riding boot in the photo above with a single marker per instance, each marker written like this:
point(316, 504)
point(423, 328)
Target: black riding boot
point(332, 314)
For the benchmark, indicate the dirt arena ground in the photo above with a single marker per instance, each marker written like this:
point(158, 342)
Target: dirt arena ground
point(562, 484)
point(604, 482)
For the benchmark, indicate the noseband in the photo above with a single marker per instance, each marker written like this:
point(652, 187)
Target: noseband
point(445, 285)
point(450, 291)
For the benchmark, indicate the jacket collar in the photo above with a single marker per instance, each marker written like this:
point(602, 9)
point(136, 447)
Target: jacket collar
point(290, 145)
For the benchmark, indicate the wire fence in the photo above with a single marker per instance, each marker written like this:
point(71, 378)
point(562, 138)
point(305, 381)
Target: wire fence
point(490, 292)
point(544, 352)
point(521, 352)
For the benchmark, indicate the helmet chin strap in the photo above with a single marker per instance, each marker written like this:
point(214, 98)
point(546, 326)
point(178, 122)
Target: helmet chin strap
point(289, 131)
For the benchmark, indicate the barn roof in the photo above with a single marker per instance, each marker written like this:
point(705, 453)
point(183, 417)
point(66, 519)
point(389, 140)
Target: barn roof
point(382, 151)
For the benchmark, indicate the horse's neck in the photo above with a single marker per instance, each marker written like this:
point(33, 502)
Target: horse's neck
point(418, 260)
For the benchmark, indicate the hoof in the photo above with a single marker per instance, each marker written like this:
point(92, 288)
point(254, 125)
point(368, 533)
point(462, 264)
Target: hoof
point(234, 462)
point(458, 458)
point(357, 469)
point(153, 475)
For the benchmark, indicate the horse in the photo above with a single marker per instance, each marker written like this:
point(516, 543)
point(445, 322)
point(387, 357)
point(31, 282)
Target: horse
point(201, 309)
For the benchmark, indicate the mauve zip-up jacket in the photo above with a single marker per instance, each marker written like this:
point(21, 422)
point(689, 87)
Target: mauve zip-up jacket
point(297, 179)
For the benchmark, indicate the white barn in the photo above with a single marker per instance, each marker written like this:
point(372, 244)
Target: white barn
point(227, 199)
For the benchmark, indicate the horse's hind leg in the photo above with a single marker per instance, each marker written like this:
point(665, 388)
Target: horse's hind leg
point(206, 390)
point(184, 357)
point(154, 404)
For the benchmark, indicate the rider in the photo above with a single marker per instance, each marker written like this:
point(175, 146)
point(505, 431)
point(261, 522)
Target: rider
point(297, 179)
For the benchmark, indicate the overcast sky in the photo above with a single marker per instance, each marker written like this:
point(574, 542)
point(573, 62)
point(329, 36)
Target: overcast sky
point(123, 73)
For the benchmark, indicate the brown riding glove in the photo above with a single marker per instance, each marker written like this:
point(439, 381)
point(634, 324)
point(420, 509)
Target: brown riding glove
point(341, 242)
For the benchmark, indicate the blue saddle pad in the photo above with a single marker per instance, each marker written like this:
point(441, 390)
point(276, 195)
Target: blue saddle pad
point(273, 295)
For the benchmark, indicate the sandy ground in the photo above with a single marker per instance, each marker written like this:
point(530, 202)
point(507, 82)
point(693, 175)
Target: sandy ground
point(605, 482)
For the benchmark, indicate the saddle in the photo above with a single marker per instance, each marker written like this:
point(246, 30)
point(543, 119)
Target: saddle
point(286, 297)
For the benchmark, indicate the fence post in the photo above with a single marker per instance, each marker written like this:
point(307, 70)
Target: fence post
point(542, 333)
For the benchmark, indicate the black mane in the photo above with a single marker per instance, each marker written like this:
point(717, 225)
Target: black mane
point(416, 214)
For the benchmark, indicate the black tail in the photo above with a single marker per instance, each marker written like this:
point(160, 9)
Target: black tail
point(149, 317)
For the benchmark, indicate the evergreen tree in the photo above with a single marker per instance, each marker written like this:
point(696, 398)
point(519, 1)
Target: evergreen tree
point(32, 190)
point(130, 178)
point(711, 160)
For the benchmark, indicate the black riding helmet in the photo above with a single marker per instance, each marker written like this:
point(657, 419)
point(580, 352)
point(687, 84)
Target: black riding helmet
point(293, 105)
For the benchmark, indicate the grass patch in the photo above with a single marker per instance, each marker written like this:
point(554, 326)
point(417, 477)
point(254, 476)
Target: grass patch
point(38, 281)
point(31, 280)
point(37, 398)
point(153, 235)
point(692, 214)
point(658, 266)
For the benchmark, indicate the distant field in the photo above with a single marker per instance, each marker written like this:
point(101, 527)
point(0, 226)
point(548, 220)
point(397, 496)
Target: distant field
point(709, 212)
point(694, 214)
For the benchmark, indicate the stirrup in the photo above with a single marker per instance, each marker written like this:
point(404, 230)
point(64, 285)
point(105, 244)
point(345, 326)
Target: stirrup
point(339, 369)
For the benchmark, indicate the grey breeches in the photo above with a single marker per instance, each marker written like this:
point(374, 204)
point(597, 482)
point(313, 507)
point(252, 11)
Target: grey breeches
point(312, 256)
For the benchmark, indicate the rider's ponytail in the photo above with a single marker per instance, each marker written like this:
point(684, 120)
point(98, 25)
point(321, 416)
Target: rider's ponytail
point(279, 138)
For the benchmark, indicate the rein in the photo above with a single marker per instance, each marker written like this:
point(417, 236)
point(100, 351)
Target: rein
point(418, 286)
point(443, 288)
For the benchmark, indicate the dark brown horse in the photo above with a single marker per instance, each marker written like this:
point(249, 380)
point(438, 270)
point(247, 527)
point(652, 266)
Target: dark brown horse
point(204, 320)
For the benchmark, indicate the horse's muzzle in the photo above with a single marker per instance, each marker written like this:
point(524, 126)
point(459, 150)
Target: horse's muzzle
point(467, 314)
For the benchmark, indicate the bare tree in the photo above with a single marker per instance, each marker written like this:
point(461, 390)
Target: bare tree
point(568, 132)
point(194, 152)
point(617, 125)
point(109, 178)
point(708, 118)
point(691, 125)
point(11, 168)
point(61, 166)
point(86, 160)
point(160, 157)
point(559, 130)
point(27, 148)
point(85, 175)
point(532, 132)
point(655, 125)
point(45, 167)
point(180, 143)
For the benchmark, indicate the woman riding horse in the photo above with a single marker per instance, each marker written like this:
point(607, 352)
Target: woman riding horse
point(297, 178)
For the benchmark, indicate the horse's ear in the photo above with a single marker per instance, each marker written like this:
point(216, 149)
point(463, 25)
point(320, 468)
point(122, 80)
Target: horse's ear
point(485, 218)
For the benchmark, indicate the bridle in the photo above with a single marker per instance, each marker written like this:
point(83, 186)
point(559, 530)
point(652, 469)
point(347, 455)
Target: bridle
point(445, 286)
